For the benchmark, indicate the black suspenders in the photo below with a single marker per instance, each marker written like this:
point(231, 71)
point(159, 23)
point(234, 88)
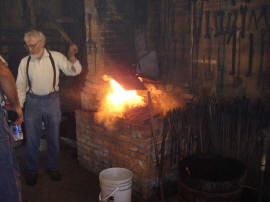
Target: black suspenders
point(54, 71)
point(27, 67)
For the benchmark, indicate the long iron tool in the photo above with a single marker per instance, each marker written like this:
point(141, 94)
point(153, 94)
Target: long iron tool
point(237, 81)
point(243, 12)
point(221, 66)
point(154, 139)
point(260, 71)
point(233, 35)
point(233, 54)
point(249, 73)
point(209, 74)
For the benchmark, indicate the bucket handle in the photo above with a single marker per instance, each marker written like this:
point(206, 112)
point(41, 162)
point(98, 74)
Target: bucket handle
point(108, 196)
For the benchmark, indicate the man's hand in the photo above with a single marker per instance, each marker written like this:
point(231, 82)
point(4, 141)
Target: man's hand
point(72, 51)
point(20, 115)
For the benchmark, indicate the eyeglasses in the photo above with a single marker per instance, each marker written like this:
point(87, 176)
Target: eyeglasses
point(31, 46)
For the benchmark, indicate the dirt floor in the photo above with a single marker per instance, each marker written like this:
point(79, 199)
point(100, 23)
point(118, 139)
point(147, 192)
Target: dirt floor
point(77, 184)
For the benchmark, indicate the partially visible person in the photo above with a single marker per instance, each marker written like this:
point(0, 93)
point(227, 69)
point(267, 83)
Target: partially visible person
point(37, 83)
point(10, 190)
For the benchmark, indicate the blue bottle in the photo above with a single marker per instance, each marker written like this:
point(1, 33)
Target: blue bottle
point(17, 132)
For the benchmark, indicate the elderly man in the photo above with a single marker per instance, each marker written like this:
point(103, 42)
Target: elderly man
point(9, 172)
point(37, 83)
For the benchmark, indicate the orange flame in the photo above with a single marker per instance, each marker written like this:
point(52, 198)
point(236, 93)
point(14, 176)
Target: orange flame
point(119, 98)
point(116, 102)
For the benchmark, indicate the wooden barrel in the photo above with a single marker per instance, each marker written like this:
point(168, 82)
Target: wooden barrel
point(210, 178)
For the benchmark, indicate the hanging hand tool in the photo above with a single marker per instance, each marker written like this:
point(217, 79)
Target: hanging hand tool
point(260, 71)
point(249, 73)
point(233, 34)
point(221, 65)
point(207, 22)
point(237, 81)
point(92, 44)
point(209, 73)
point(263, 14)
point(173, 38)
point(243, 12)
point(219, 21)
point(233, 54)
point(33, 19)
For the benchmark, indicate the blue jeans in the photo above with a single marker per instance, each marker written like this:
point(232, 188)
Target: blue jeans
point(10, 187)
point(37, 109)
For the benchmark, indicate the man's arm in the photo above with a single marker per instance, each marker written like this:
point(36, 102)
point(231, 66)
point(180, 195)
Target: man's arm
point(8, 85)
point(69, 65)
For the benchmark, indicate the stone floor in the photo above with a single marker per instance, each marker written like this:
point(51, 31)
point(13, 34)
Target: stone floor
point(77, 185)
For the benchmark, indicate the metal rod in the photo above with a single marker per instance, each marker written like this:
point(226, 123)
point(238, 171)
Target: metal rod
point(155, 146)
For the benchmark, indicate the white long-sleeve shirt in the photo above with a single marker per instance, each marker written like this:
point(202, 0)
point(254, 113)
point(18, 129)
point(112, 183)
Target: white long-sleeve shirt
point(41, 74)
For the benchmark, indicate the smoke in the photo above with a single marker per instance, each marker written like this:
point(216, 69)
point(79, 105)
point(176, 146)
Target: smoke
point(164, 101)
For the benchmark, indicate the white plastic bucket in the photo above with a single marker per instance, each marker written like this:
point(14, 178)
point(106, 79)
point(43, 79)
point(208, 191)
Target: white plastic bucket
point(115, 182)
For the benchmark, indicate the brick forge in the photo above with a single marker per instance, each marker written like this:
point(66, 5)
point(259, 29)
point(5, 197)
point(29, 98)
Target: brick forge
point(128, 145)
point(110, 46)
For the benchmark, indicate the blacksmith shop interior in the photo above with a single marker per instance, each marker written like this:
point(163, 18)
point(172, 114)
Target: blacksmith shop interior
point(172, 103)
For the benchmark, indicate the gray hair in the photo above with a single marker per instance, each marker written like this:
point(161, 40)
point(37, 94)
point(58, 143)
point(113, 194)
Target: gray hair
point(34, 33)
